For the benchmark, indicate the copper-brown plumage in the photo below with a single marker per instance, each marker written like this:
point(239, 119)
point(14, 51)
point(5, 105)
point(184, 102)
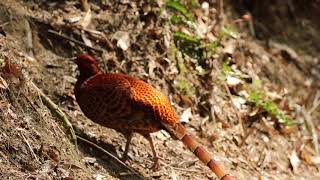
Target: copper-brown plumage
point(129, 106)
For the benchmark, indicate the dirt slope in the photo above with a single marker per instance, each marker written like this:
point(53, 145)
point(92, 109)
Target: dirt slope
point(35, 144)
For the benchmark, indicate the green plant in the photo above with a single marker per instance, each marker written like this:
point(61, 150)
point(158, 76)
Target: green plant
point(184, 86)
point(176, 19)
point(188, 45)
point(200, 70)
point(188, 38)
point(226, 69)
point(194, 3)
point(257, 97)
point(228, 31)
point(177, 6)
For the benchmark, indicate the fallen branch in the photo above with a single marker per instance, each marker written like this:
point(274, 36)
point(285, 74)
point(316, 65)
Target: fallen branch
point(309, 122)
point(74, 40)
point(94, 143)
point(28, 144)
point(56, 110)
point(95, 35)
point(312, 128)
point(243, 130)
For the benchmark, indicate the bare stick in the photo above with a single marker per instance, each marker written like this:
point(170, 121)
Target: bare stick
point(310, 125)
point(4, 24)
point(55, 108)
point(308, 120)
point(110, 155)
point(74, 40)
point(28, 144)
point(316, 103)
point(94, 34)
point(85, 5)
point(243, 133)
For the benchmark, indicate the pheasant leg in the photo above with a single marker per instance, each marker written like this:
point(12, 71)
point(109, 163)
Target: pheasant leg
point(156, 164)
point(125, 154)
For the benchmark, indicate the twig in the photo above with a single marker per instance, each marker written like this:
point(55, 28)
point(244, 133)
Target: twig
point(28, 144)
point(221, 17)
point(244, 138)
point(95, 35)
point(311, 127)
point(316, 103)
point(243, 131)
point(29, 39)
point(109, 154)
point(74, 40)
point(183, 169)
point(251, 27)
point(101, 149)
point(186, 170)
point(308, 119)
point(4, 24)
point(85, 5)
point(60, 114)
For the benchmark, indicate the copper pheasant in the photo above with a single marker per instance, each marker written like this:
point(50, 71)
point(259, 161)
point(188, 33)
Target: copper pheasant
point(129, 105)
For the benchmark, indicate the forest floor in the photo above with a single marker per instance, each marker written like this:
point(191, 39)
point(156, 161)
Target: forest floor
point(254, 104)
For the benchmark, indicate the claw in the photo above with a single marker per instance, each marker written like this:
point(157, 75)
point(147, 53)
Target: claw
point(156, 165)
point(124, 158)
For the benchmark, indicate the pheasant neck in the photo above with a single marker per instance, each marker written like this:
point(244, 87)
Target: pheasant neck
point(87, 73)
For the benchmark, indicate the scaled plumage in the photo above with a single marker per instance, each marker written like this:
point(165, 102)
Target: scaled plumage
point(129, 106)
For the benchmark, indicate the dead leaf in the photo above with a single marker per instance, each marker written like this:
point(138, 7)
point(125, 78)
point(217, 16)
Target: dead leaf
point(3, 84)
point(90, 160)
point(162, 135)
point(51, 152)
point(123, 39)
point(87, 19)
point(152, 66)
point(2, 63)
point(215, 136)
point(186, 115)
point(233, 81)
point(173, 175)
point(72, 18)
point(238, 101)
point(11, 69)
point(99, 177)
point(294, 160)
point(230, 46)
point(306, 156)
point(3, 103)
point(86, 40)
point(68, 178)
point(12, 114)
point(186, 100)
point(289, 129)
point(316, 159)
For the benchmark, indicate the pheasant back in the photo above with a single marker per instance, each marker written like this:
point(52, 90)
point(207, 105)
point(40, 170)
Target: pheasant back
point(121, 102)
point(124, 103)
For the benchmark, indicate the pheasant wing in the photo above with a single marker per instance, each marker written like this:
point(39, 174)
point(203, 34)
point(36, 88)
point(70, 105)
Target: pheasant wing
point(111, 100)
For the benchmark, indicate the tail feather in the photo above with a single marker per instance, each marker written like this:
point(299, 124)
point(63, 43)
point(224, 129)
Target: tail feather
point(179, 132)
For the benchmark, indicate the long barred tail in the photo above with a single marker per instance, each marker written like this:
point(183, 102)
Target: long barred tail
point(179, 131)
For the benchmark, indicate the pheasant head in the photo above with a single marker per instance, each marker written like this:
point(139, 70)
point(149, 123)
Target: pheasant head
point(87, 65)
